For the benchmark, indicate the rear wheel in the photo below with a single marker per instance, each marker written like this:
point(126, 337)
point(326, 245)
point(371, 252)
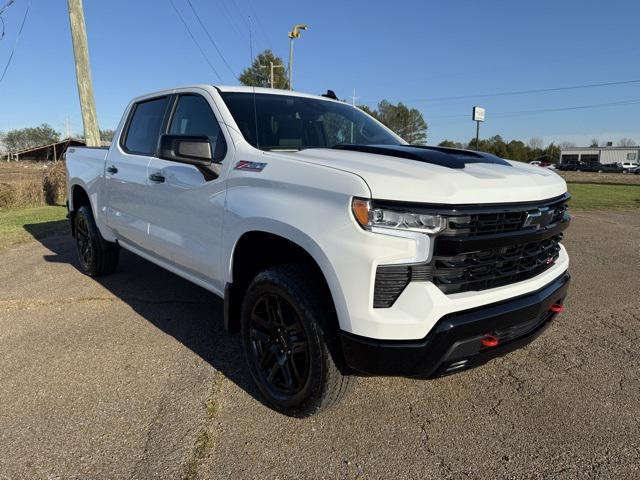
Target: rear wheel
point(290, 344)
point(96, 255)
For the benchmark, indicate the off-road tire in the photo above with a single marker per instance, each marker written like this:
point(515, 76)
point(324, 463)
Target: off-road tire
point(301, 294)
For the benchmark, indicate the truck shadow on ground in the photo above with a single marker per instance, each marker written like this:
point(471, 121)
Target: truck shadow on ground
point(190, 314)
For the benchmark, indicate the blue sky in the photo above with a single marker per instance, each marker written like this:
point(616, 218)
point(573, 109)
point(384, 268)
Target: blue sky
point(400, 50)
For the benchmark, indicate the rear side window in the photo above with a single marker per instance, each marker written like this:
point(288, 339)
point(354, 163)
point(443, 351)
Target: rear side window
point(144, 127)
point(193, 116)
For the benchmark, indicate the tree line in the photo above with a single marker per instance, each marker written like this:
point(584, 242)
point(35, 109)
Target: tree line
point(20, 139)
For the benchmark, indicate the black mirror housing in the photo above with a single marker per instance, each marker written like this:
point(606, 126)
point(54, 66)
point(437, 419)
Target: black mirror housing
point(189, 149)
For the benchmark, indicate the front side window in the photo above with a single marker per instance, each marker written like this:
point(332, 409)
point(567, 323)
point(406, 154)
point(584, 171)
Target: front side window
point(283, 122)
point(144, 127)
point(193, 116)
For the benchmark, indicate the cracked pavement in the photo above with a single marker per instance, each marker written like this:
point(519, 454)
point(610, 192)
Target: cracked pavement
point(111, 378)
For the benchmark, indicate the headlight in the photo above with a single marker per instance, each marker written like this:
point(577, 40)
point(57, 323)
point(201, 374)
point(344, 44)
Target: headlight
point(369, 216)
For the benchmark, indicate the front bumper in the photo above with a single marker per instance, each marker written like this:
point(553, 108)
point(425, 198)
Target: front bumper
point(454, 344)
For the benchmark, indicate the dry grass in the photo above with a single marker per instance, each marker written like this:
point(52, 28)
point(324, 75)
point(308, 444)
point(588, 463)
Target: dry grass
point(30, 184)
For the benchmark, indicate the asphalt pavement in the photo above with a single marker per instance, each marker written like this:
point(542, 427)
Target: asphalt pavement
point(132, 376)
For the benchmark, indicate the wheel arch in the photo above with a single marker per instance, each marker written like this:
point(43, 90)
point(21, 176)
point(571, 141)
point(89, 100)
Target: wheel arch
point(257, 249)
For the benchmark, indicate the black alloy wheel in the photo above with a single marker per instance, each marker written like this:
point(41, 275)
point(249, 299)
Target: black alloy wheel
point(83, 242)
point(279, 345)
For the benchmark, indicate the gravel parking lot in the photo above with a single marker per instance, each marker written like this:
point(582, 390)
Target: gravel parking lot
point(131, 376)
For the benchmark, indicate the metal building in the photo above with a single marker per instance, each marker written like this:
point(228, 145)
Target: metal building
point(603, 155)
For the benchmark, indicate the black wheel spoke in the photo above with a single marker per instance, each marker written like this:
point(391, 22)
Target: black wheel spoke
point(260, 324)
point(279, 345)
point(298, 347)
point(273, 371)
point(286, 373)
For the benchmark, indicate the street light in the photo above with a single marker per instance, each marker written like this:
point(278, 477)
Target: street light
point(295, 33)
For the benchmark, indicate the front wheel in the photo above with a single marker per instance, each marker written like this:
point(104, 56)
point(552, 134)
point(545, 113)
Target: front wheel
point(290, 343)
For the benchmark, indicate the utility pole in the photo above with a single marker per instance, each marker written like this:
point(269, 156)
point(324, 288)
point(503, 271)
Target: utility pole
point(293, 34)
point(271, 72)
point(354, 98)
point(353, 102)
point(83, 73)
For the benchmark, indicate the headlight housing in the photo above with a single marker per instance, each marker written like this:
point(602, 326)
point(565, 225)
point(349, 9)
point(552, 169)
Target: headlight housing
point(370, 217)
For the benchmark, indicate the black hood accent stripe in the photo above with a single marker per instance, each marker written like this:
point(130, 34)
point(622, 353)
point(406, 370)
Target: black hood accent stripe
point(444, 157)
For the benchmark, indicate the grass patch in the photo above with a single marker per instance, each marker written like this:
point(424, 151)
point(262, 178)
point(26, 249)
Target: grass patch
point(22, 224)
point(203, 445)
point(600, 196)
point(212, 407)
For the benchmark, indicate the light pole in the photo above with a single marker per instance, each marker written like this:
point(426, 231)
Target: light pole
point(295, 33)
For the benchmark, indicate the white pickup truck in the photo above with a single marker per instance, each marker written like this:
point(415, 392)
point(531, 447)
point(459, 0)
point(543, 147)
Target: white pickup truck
point(339, 249)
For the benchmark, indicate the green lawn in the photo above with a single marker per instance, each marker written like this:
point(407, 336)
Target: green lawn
point(18, 225)
point(600, 196)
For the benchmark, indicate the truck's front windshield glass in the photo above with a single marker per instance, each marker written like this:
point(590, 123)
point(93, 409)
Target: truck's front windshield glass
point(283, 122)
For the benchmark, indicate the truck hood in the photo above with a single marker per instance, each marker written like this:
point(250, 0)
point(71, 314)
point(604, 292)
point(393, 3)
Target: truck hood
point(437, 175)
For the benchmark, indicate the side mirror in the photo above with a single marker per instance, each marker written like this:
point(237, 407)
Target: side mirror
point(192, 150)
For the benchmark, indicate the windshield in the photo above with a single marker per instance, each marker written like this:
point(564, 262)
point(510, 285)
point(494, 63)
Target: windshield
point(293, 123)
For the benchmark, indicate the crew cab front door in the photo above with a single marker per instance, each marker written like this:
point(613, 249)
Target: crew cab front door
point(186, 208)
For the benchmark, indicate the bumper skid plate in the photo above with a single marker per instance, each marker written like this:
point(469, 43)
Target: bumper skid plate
point(460, 340)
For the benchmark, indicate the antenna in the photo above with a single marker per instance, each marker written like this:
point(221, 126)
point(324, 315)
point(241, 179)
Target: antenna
point(255, 108)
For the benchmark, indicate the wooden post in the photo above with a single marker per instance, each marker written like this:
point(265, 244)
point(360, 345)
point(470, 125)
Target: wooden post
point(83, 73)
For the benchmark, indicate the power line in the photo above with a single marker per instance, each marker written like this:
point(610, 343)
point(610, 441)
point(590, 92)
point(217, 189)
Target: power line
point(206, 30)
point(204, 55)
point(6, 5)
point(633, 101)
point(15, 44)
point(232, 21)
point(523, 92)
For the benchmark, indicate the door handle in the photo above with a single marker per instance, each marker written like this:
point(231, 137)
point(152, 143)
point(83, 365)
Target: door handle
point(112, 169)
point(156, 177)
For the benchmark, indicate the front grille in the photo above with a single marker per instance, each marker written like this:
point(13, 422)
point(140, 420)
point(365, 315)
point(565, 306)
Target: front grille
point(483, 247)
point(494, 267)
point(495, 221)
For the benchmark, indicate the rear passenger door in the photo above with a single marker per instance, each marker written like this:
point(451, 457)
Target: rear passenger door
point(186, 208)
point(126, 171)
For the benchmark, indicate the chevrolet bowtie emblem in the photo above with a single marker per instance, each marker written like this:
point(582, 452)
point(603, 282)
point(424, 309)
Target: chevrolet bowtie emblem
point(538, 219)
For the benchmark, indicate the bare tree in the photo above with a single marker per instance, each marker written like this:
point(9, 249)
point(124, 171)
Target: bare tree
point(626, 142)
point(566, 144)
point(536, 143)
point(594, 142)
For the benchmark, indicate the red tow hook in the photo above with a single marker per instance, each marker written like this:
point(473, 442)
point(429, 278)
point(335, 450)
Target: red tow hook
point(489, 341)
point(556, 308)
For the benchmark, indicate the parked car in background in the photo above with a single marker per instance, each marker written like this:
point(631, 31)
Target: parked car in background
point(630, 166)
point(635, 170)
point(571, 165)
point(535, 162)
point(600, 167)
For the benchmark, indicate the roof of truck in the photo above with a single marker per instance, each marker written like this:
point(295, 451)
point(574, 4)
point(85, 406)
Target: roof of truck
point(233, 88)
point(272, 91)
